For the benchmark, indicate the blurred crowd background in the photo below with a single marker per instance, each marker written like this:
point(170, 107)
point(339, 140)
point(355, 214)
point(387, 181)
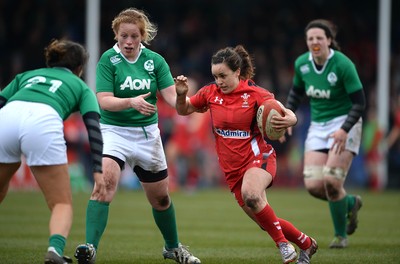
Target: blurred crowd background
point(189, 33)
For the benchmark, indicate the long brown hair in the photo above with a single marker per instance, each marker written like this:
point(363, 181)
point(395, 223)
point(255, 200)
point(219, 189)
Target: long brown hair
point(235, 58)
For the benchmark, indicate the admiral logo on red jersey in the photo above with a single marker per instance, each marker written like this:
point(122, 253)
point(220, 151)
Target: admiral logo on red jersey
point(226, 133)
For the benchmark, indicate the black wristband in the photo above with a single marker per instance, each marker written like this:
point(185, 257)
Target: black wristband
point(294, 98)
point(353, 117)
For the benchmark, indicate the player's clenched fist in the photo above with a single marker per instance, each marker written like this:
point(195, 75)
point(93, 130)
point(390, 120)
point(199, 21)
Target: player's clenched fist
point(181, 85)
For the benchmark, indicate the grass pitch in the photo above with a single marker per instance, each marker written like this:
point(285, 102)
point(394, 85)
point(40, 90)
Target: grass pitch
point(209, 221)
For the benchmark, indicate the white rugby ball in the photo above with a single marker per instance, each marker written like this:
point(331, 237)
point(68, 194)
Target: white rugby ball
point(265, 112)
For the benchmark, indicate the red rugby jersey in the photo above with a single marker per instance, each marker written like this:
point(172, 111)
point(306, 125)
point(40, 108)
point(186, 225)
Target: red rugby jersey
point(238, 139)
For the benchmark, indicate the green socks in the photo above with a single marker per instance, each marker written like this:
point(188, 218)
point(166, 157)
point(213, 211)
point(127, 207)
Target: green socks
point(339, 210)
point(58, 243)
point(166, 222)
point(96, 221)
point(351, 201)
point(97, 216)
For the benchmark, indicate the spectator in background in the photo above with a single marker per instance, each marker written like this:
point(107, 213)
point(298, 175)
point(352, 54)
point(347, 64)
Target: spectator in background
point(391, 146)
point(128, 77)
point(371, 140)
point(337, 100)
point(394, 132)
point(32, 109)
point(190, 150)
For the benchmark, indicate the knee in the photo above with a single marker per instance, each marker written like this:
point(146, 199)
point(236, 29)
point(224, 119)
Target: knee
point(332, 191)
point(334, 179)
point(317, 192)
point(110, 182)
point(163, 201)
point(251, 201)
point(104, 189)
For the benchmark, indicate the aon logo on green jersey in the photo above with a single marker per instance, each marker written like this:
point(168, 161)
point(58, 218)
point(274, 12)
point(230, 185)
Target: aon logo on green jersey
point(317, 93)
point(136, 84)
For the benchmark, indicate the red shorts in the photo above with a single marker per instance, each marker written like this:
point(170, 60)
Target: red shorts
point(263, 161)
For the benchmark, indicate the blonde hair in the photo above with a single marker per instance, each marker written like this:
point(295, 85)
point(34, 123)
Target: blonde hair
point(139, 18)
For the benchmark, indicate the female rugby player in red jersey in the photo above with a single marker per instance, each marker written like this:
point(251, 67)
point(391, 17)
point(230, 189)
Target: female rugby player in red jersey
point(248, 162)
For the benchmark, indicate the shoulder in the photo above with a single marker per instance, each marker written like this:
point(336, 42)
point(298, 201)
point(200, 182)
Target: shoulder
point(148, 53)
point(34, 72)
point(253, 86)
point(344, 64)
point(303, 63)
point(110, 56)
point(302, 59)
point(260, 93)
point(209, 88)
point(111, 52)
point(341, 58)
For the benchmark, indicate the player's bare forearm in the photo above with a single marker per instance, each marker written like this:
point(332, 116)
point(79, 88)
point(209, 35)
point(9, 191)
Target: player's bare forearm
point(181, 104)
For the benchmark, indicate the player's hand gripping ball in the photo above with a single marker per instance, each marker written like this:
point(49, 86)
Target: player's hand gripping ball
point(265, 112)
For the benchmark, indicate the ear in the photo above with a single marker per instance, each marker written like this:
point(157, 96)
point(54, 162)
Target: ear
point(237, 72)
point(329, 40)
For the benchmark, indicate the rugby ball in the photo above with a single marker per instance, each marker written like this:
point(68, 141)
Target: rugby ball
point(265, 112)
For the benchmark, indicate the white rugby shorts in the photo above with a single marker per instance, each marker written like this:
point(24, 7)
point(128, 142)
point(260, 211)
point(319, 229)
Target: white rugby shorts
point(141, 146)
point(319, 132)
point(34, 130)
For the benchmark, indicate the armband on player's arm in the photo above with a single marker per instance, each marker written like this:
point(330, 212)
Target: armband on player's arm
point(356, 111)
point(294, 98)
point(91, 120)
point(3, 101)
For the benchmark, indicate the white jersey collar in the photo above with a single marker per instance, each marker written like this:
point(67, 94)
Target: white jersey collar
point(310, 58)
point(118, 50)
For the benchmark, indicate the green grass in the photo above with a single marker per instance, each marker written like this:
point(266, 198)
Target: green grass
point(210, 222)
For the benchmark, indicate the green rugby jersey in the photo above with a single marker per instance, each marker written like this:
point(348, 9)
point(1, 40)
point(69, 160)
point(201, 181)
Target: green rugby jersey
point(149, 73)
point(329, 87)
point(57, 87)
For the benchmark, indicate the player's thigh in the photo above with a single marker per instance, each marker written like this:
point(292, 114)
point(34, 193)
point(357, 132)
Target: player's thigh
point(111, 172)
point(255, 181)
point(342, 160)
point(7, 170)
point(54, 182)
point(315, 158)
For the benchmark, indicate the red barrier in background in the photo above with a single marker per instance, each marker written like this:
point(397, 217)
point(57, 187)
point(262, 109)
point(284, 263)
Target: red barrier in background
point(23, 179)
